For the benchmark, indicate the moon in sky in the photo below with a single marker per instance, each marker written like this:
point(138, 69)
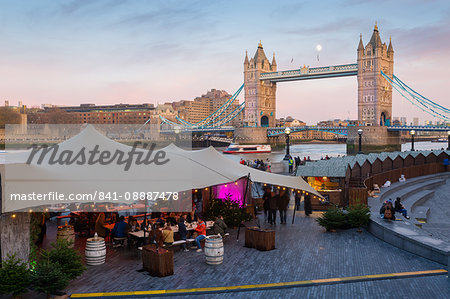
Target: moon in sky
point(319, 48)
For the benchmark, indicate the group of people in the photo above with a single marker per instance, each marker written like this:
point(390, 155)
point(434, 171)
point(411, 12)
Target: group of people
point(257, 164)
point(160, 227)
point(388, 209)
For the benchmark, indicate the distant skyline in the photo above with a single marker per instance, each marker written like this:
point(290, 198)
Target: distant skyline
point(117, 51)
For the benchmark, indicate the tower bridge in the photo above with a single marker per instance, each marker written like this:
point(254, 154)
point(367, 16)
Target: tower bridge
point(374, 70)
point(374, 91)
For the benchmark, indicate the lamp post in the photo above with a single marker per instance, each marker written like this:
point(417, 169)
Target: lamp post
point(448, 139)
point(360, 131)
point(177, 130)
point(287, 132)
point(412, 132)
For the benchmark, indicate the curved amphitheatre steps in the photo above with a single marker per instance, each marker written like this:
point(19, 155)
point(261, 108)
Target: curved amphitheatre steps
point(407, 234)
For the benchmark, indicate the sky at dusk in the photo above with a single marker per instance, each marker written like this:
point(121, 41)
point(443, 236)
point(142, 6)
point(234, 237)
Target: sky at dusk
point(117, 51)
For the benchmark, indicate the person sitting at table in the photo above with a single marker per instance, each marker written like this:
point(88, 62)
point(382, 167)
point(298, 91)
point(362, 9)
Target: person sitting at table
point(114, 218)
point(201, 231)
point(156, 236)
point(167, 235)
point(376, 188)
point(100, 228)
point(120, 230)
point(133, 225)
point(219, 226)
point(171, 219)
point(188, 218)
point(182, 232)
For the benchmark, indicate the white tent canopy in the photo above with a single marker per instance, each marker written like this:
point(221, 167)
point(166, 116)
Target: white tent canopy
point(183, 170)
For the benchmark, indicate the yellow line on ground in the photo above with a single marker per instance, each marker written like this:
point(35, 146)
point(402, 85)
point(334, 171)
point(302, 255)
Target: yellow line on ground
point(252, 287)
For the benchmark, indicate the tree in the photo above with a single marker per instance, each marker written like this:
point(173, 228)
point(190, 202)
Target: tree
point(48, 277)
point(15, 277)
point(59, 116)
point(68, 258)
point(9, 116)
point(358, 215)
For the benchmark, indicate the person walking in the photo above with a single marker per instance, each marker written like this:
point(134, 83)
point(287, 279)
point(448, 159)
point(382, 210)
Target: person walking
point(307, 204)
point(273, 205)
point(283, 205)
point(291, 164)
point(266, 203)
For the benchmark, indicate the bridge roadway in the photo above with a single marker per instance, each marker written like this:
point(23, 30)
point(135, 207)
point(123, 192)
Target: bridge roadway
point(276, 131)
point(306, 73)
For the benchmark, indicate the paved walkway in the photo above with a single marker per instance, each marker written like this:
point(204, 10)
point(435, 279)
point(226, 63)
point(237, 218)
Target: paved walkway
point(438, 222)
point(304, 252)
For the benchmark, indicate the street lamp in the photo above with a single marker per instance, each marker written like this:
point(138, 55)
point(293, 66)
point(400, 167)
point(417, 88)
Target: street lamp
point(287, 131)
point(448, 139)
point(360, 131)
point(412, 132)
point(177, 130)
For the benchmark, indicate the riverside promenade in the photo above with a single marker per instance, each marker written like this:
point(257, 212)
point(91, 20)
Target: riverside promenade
point(426, 233)
point(304, 251)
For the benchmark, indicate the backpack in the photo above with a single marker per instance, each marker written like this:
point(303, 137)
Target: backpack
point(387, 214)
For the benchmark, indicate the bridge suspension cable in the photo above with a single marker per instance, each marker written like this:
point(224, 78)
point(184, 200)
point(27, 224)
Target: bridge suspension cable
point(211, 118)
point(417, 99)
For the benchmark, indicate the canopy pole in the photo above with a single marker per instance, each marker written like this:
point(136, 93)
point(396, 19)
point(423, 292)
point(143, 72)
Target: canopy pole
point(295, 207)
point(243, 206)
point(145, 220)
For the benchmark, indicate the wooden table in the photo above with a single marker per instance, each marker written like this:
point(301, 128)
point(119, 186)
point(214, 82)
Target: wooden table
point(157, 262)
point(261, 239)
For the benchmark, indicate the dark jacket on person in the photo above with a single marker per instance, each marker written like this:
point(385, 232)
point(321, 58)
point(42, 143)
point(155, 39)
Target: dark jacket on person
point(283, 202)
point(307, 205)
point(398, 206)
point(182, 231)
point(120, 229)
point(266, 198)
point(171, 220)
point(273, 202)
point(219, 227)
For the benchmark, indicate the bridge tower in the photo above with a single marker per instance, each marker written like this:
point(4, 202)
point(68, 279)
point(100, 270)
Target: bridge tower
point(374, 92)
point(259, 94)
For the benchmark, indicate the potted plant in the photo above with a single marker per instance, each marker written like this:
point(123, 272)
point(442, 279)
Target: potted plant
point(14, 277)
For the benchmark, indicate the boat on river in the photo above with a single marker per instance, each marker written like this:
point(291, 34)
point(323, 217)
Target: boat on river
point(247, 149)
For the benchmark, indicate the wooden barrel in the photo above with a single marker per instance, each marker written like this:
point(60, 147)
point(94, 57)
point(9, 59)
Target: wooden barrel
point(95, 251)
point(66, 232)
point(214, 250)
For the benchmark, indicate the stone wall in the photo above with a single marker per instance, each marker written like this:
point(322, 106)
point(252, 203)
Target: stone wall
point(375, 139)
point(249, 135)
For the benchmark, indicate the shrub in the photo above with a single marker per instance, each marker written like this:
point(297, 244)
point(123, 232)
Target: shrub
point(15, 277)
point(48, 277)
point(232, 214)
point(69, 260)
point(358, 215)
point(334, 218)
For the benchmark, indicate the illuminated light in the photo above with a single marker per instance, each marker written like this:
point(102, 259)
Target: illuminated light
point(278, 187)
point(92, 206)
point(298, 191)
point(46, 210)
point(265, 184)
point(226, 185)
point(30, 210)
point(196, 190)
point(235, 183)
point(284, 188)
point(206, 188)
point(324, 177)
point(306, 193)
point(13, 216)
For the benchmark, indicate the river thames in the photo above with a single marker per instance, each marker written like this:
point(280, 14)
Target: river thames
point(317, 151)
